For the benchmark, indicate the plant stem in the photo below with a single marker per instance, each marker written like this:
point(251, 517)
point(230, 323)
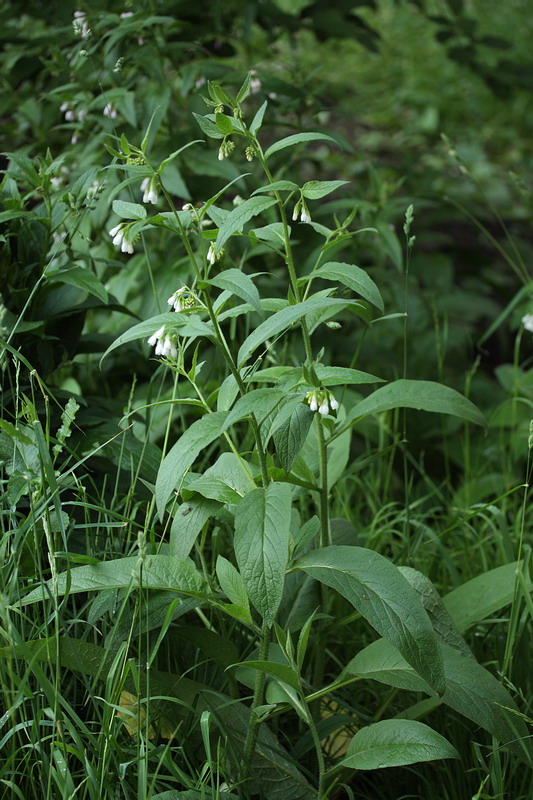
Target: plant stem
point(325, 535)
point(319, 754)
point(260, 678)
point(221, 341)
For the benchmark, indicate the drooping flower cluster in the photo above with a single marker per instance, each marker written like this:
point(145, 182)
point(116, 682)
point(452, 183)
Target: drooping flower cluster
point(149, 187)
point(321, 400)
point(183, 299)
point(80, 25)
point(164, 343)
point(527, 322)
point(119, 234)
point(226, 149)
point(255, 83)
point(213, 254)
point(110, 111)
point(301, 210)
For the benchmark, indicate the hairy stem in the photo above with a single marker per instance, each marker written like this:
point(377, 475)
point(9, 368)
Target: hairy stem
point(253, 727)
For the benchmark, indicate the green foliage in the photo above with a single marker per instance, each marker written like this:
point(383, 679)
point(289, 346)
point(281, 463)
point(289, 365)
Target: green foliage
point(207, 516)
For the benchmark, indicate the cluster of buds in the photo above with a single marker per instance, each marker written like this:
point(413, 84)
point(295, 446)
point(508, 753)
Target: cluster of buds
point(213, 254)
point(250, 153)
point(255, 83)
point(80, 25)
point(119, 234)
point(226, 149)
point(149, 187)
point(110, 111)
point(72, 115)
point(164, 343)
point(182, 299)
point(527, 322)
point(321, 400)
point(301, 210)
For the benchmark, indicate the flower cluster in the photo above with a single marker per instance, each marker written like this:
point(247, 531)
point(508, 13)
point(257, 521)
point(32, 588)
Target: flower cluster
point(182, 299)
point(110, 111)
point(527, 322)
point(149, 187)
point(119, 234)
point(255, 83)
point(164, 343)
point(226, 149)
point(213, 254)
point(300, 209)
point(250, 153)
point(321, 400)
point(80, 25)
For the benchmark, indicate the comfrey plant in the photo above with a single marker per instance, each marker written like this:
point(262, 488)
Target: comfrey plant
point(278, 437)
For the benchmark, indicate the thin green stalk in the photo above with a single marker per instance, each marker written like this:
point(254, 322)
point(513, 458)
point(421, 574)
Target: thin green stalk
point(259, 689)
point(221, 340)
point(325, 535)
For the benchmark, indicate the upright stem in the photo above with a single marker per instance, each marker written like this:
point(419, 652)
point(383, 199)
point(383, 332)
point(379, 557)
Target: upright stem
point(222, 341)
point(325, 535)
point(253, 727)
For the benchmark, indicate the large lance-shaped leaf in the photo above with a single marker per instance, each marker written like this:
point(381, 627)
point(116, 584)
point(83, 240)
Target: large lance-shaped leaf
point(354, 277)
point(240, 215)
point(180, 457)
point(290, 436)
point(282, 319)
point(470, 690)
point(297, 138)
point(378, 590)
point(394, 743)
point(483, 595)
point(158, 572)
point(262, 520)
point(422, 395)
point(240, 284)
point(185, 325)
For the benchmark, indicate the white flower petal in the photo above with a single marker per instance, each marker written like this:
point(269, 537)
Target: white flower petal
point(323, 409)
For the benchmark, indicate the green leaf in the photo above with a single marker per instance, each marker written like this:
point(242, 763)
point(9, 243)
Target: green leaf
point(394, 743)
point(340, 376)
point(180, 457)
point(470, 690)
point(224, 124)
point(244, 91)
point(421, 395)
point(260, 402)
point(236, 282)
point(129, 210)
point(154, 572)
point(354, 277)
point(231, 582)
point(208, 127)
point(258, 119)
point(376, 588)
point(213, 488)
point(281, 671)
point(188, 521)
point(482, 596)
point(297, 138)
point(313, 190)
point(290, 436)
point(278, 186)
point(188, 325)
point(261, 541)
point(240, 215)
point(281, 320)
point(81, 278)
point(442, 622)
